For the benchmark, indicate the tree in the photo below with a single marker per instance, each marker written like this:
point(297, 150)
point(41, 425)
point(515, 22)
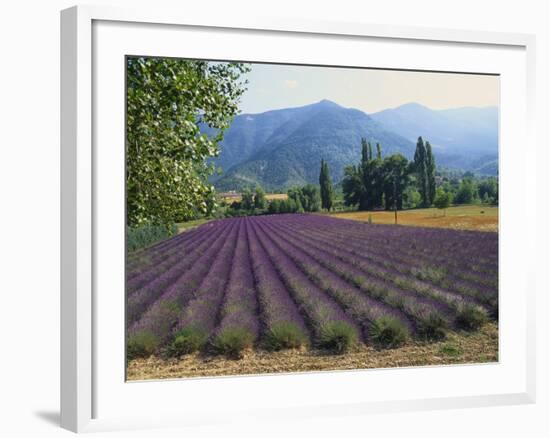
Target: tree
point(411, 197)
point(166, 154)
point(430, 173)
point(364, 184)
point(488, 190)
point(247, 200)
point(420, 166)
point(325, 183)
point(443, 200)
point(352, 186)
point(307, 197)
point(259, 198)
point(466, 193)
point(396, 171)
point(274, 207)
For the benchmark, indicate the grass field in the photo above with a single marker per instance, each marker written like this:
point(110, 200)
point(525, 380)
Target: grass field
point(189, 225)
point(467, 217)
point(269, 196)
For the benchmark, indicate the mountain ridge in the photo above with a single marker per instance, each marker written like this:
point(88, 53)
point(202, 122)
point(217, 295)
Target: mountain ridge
point(283, 147)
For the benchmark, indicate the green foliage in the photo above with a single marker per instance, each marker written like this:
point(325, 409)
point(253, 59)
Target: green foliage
point(337, 337)
point(187, 340)
point(233, 341)
point(274, 207)
point(247, 200)
point(411, 197)
point(396, 171)
point(259, 198)
point(430, 173)
point(429, 272)
point(166, 154)
point(284, 335)
point(388, 332)
point(373, 177)
point(325, 183)
point(424, 168)
point(291, 205)
point(443, 199)
point(488, 190)
point(467, 192)
point(432, 327)
point(141, 344)
point(306, 197)
point(376, 182)
point(450, 350)
point(353, 187)
point(145, 235)
point(470, 317)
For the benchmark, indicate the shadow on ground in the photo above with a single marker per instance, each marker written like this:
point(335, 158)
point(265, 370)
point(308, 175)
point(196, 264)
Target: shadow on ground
point(51, 417)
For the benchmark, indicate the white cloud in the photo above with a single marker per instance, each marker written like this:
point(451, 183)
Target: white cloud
point(290, 83)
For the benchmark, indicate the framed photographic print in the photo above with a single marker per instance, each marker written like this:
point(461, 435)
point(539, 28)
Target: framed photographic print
point(250, 209)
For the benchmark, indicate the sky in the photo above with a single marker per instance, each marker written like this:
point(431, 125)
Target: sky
point(273, 86)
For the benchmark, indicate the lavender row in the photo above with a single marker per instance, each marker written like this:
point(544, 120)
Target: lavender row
point(436, 276)
point(159, 320)
point(359, 306)
point(403, 283)
point(320, 310)
point(282, 323)
point(375, 266)
point(421, 309)
point(430, 252)
point(185, 251)
point(151, 257)
point(135, 256)
point(201, 312)
point(422, 241)
point(240, 306)
point(140, 300)
point(392, 253)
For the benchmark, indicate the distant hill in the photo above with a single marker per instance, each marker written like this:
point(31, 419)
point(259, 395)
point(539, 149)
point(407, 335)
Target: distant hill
point(465, 138)
point(283, 148)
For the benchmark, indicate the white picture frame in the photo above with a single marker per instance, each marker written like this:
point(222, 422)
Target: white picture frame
point(84, 382)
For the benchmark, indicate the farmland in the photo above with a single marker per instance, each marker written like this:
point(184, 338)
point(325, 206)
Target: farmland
point(232, 197)
point(465, 217)
point(277, 284)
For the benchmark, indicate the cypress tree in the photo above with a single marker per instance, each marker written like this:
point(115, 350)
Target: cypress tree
point(364, 152)
point(325, 184)
point(430, 173)
point(378, 180)
point(421, 171)
point(364, 175)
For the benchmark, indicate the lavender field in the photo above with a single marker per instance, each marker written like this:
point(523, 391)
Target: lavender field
point(275, 282)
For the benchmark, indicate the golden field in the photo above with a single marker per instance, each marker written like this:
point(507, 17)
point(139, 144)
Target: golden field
point(467, 217)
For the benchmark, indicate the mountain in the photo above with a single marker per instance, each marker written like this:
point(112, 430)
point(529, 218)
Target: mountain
point(283, 148)
point(464, 138)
